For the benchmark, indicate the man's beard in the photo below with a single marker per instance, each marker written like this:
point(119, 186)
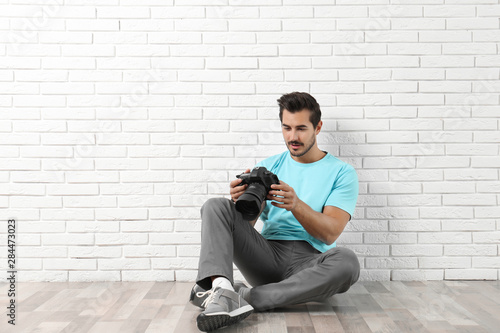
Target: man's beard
point(305, 151)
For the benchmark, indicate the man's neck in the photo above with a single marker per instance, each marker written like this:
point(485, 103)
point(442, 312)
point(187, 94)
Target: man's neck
point(312, 156)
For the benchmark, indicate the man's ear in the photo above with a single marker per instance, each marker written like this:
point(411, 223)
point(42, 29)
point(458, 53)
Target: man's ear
point(318, 127)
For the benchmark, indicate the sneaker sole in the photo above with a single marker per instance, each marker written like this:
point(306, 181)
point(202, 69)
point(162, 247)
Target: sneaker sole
point(215, 321)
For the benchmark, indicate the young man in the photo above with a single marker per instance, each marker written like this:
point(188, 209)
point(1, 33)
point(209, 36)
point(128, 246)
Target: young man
point(294, 259)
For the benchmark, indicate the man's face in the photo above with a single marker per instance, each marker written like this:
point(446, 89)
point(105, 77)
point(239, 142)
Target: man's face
point(298, 132)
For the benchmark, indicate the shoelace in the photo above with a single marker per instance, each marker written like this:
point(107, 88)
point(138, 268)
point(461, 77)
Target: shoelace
point(210, 298)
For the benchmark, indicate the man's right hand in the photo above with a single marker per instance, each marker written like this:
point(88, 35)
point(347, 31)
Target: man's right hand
point(237, 190)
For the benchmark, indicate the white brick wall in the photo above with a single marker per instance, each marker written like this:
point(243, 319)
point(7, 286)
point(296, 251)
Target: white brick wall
point(118, 119)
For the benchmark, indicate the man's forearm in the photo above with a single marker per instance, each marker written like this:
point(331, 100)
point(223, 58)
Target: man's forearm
point(319, 225)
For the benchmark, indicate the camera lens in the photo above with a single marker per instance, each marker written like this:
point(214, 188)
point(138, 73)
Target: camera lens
point(249, 203)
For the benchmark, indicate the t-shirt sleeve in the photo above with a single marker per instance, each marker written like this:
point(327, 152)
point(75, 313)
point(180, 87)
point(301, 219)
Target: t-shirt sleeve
point(344, 194)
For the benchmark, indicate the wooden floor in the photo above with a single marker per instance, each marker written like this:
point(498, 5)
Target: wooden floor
point(449, 306)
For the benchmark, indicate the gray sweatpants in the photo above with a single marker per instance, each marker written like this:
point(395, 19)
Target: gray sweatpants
point(281, 272)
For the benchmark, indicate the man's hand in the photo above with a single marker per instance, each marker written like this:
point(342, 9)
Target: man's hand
point(285, 196)
point(235, 190)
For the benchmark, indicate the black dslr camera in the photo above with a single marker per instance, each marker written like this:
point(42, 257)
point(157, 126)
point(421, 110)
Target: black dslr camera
point(259, 182)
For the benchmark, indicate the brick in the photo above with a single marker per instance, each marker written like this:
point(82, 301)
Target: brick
point(386, 137)
point(487, 212)
point(65, 37)
point(214, 24)
point(140, 201)
point(470, 274)
point(417, 99)
point(94, 252)
point(467, 200)
point(120, 214)
point(68, 239)
point(93, 226)
point(414, 200)
point(42, 252)
point(358, 49)
point(420, 225)
point(449, 11)
point(149, 177)
point(472, 49)
point(445, 237)
point(471, 23)
point(417, 275)
point(125, 189)
point(174, 213)
point(445, 36)
point(392, 212)
point(445, 86)
point(252, 25)
point(36, 177)
point(67, 214)
point(121, 238)
point(149, 251)
point(229, 38)
point(390, 111)
point(19, 88)
point(394, 187)
point(19, 164)
point(472, 150)
point(282, 37)
point(175, 263)
point(68, 164)
point(414, 49)
point(286, 12)
point(93, 25)
point(35, 202)
point(445, 262)
point(486, 237)
point(417, 250)
point(338, 37)
point(389, 238)
point(446, 212)
point(473, 174)
point(447, 61)
point(121, 164)
point(92, 177)
point(148, 275)
point(175, 163)
point(175, 238)
point(316, 24)
point(391, 263)
point(442, 162)
point(177, 12)
point(470, 250)
point(256, 76)
point(176, 138)
point(120, 264)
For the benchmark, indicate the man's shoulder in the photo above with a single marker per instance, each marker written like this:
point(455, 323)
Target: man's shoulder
point(272, 161)
point(341, 165)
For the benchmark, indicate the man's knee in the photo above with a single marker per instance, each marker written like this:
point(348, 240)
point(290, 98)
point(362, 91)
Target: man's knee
point(347, 263)
point(216, 204)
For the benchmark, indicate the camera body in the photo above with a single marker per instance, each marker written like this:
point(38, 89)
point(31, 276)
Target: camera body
point(259, 182)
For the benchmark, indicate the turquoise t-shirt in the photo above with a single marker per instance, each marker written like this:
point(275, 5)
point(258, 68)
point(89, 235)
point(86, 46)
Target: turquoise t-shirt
point(327, 182)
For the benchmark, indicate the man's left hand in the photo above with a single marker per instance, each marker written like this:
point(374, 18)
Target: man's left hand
point(285, 196)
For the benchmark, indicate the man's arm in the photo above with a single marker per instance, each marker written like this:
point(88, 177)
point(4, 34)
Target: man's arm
point(326, 226)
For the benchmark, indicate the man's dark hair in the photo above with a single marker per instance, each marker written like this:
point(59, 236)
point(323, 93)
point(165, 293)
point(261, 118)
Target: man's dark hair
point(298, 101)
